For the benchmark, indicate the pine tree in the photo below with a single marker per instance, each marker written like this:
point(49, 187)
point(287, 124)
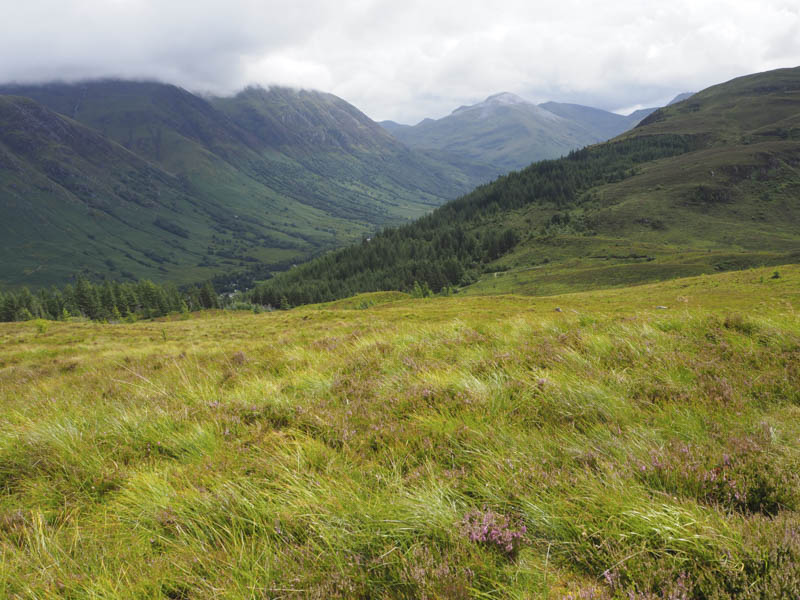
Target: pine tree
point(108, 302)
point(208, 297)
point(86, 298)
point(7, 307)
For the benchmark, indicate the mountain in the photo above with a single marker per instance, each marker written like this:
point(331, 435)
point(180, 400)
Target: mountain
point(504, 131)
point(268, 177)
point(70, 196)
point(707, 184)
point(601, 124)
point(680, 98)
point(303, 120)
point(345, 150)
point(508, 132)
point(638, 116)
point(392, 127)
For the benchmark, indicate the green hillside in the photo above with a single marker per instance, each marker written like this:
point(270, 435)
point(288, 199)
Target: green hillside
point(708, 184)
point(350, 156)
point(229, 193)
point(72, 199)
point(478, 447)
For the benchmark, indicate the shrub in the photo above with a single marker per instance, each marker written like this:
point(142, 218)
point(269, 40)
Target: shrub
point(749, 476)
point(493, 530)
point(740, 324)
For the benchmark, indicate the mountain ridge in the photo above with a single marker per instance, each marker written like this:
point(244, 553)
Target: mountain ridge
point(271, 200)
point(508, 132)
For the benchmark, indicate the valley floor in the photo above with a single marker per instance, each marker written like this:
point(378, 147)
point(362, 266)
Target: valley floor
point(640, 442)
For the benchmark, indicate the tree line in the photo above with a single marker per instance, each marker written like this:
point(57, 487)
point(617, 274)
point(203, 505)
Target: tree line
point(109, 300)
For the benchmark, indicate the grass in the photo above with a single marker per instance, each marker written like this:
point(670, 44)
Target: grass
point(355, 449)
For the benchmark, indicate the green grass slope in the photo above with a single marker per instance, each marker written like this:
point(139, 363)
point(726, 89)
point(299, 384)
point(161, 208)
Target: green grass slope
point(704, 185)
point(438, 448)
point(270, 195)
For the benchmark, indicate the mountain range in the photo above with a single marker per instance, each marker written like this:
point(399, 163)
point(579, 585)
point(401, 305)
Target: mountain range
point(506, 132)
point(706, 184)
point(129, 179)
point(133, 179)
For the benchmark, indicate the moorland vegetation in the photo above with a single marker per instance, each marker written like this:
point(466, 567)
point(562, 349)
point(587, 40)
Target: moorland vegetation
point(639, 442)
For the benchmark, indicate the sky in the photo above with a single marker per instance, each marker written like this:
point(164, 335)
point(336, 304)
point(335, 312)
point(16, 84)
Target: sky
point(407, 59)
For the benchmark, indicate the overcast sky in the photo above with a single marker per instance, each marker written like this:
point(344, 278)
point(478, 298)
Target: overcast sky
point(407, 59)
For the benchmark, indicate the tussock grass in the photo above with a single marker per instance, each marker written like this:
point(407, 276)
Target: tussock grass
point(330, 452)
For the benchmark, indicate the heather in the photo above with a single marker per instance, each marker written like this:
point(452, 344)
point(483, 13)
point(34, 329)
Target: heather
point(638, 443)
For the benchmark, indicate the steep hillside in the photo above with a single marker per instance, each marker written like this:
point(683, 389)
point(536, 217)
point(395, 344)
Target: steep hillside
point(97, 208)
point(313, 174)
point(711, 183)
point(304, 121)
point(162, 123)
point(350, 155)
point(70, 199)
point(680, 98)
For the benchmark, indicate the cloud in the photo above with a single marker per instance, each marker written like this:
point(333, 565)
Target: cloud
point(411, 59)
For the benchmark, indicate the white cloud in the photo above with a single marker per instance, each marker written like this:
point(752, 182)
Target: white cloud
point(407, 60)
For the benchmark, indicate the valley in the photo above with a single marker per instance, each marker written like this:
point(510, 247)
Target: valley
point(182, 188)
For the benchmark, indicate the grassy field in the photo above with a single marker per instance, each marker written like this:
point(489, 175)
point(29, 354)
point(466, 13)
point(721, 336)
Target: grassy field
point(635, 443)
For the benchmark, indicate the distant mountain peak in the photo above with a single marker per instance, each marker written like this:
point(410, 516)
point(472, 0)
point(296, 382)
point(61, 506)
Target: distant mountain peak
point(505, 98)
point(680, 98)
point(501, 99)
point(506, 132)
